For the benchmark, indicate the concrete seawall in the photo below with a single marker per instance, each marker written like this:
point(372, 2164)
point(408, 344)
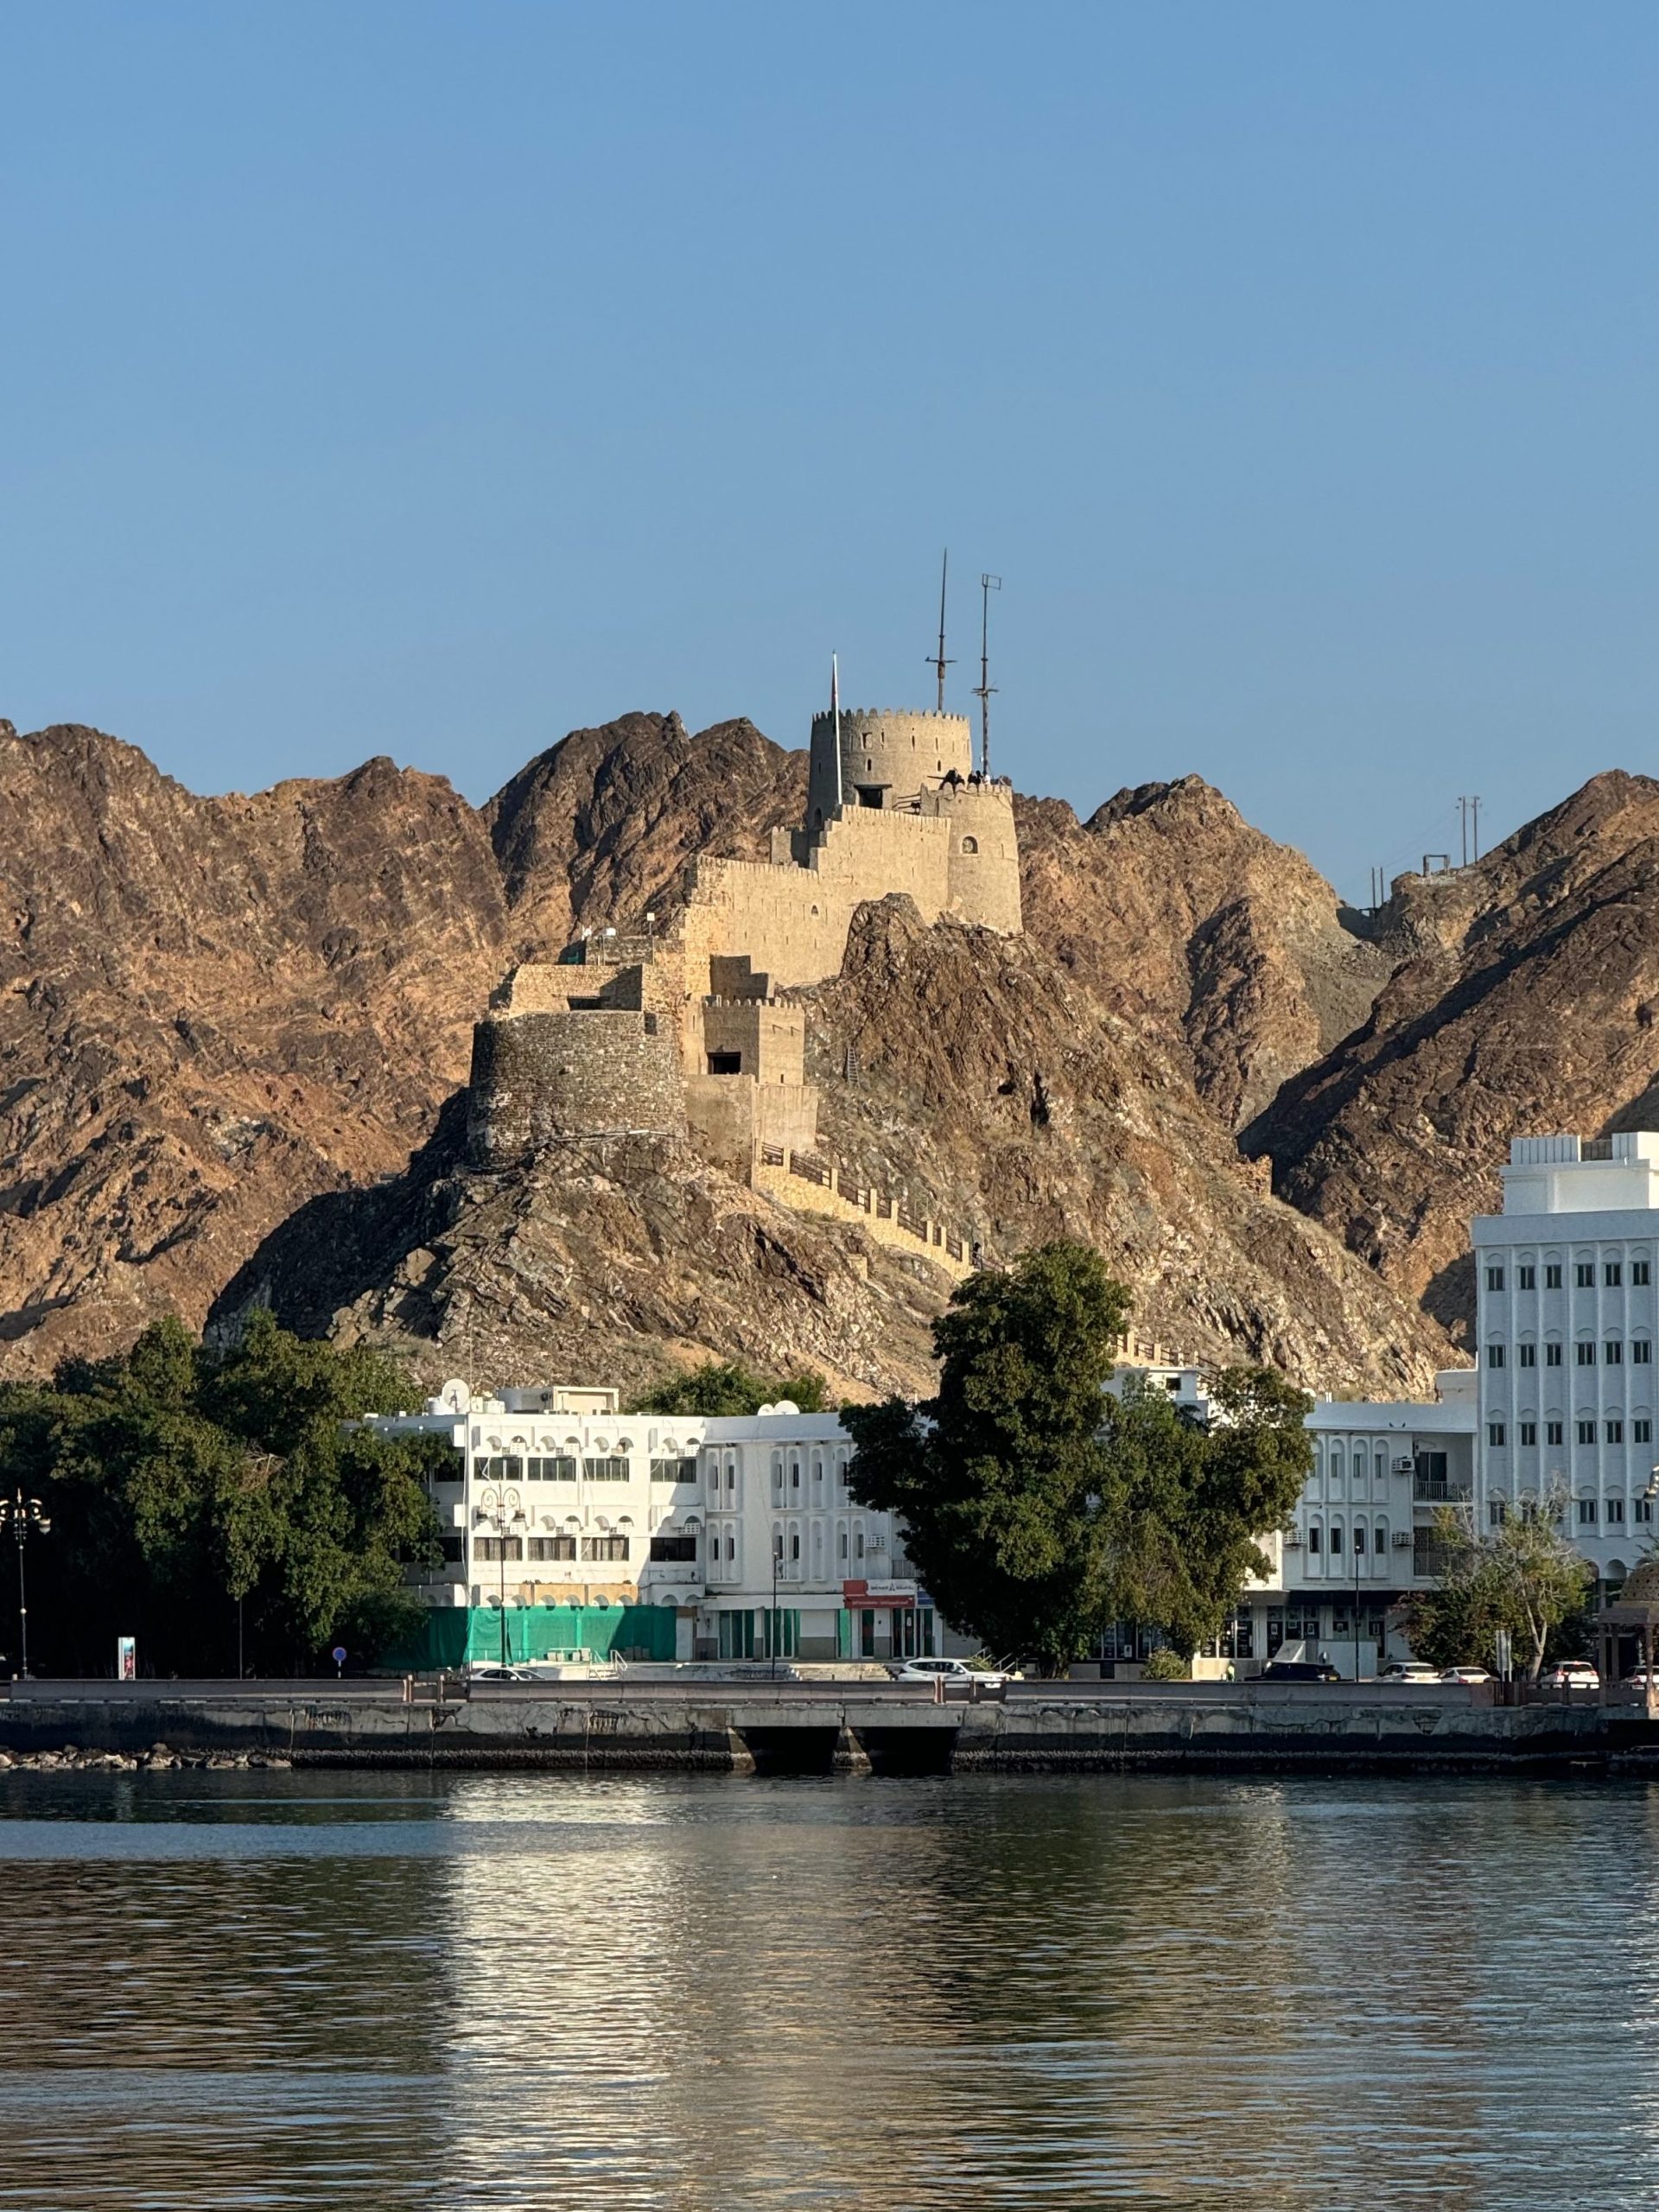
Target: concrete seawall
point(821, 1728)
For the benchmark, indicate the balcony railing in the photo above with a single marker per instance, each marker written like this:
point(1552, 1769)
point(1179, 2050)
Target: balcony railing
point(1438, 1489)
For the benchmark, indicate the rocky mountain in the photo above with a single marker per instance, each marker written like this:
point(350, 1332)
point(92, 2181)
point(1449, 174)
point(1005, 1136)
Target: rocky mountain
point(1523, 996)
point(229, 1028)
point(967, 1069)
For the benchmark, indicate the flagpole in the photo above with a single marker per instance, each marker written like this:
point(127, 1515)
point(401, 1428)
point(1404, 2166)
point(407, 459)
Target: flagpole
point(835, 709)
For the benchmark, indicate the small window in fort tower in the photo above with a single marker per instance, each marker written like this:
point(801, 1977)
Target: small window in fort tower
point(725, 1062)
point(869, 794)
point(970, 844)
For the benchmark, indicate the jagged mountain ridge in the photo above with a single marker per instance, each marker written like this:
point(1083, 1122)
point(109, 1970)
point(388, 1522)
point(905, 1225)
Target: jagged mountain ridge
point(217, 1010)
point(1523, 996)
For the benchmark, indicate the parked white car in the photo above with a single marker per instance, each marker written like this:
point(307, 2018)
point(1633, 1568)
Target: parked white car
point(953, 1673)
point(1411, 1670)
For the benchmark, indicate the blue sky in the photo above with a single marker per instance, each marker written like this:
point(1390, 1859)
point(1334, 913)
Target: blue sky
point(432, 379)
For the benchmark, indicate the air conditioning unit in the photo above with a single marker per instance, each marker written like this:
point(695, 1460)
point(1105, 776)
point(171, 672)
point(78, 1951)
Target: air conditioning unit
point(1402, 1540)
point(1404, 1466)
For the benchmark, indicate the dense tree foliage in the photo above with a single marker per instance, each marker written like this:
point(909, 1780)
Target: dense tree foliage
point(722, 1386)
point(1523, 1576)
point(1037, 1508)
point(196, 1494)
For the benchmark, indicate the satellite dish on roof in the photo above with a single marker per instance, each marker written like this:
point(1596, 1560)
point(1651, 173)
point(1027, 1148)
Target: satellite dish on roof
point(456, 1396)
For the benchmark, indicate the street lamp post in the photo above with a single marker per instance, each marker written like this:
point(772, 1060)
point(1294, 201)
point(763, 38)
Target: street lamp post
point(500, 1511)
point(771, 1624)
point(24, 1516)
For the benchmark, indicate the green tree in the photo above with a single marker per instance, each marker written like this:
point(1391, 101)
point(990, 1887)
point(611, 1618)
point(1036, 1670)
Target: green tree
point(1523, 1576)
point(1038, 1508)
point(722, 1386)
point(1185, 1507)
point(196, 1493)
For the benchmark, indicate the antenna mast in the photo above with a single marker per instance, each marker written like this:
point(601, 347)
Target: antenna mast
point(937, 661)
point(986, 586)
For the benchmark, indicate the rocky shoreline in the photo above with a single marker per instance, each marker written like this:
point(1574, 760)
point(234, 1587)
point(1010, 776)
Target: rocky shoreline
point(69, 1759)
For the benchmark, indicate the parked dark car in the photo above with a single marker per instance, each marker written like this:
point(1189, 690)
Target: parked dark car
point(1299, 1670)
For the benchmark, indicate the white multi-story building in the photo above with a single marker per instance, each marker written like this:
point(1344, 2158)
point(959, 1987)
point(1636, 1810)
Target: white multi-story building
point(1362, 1537)
point(570, 1527)
point(1567, 1319)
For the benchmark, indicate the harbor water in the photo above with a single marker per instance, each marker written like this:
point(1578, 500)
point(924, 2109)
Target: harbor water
point(283, 1990)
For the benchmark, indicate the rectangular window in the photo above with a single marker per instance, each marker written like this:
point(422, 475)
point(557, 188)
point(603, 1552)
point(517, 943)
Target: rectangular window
point(1585, 1354)
point(1314, 1540)
point(1613, 1351)
point(1584, 1273)
point(674, 1547)
point(1496, 1511)
point(1527, 1278)
point(552, 1548)
point(1336, 1538)
point(1527, 1355)
point(1642, 1430)
point(1553, 1431)
point(1639, 1273)
point(1644, 1509)
point(1494, 1278)
point(1495, 1434)
point(557, 1470)
point(1587, 1512)
point(1360, 1536)
point(1587, 1431)
point(454, 1547)
point(594, 1549)
point(605, 1471)
point(1552, 1355)
point(498, 1547)
point(1613, 1275)
point(673, 1470)
point(1494, 1355)
point(1528, 1431)
point(1552, 1274)
point(1615, 1432)
point(1615, 1512)
point(1641, 1352)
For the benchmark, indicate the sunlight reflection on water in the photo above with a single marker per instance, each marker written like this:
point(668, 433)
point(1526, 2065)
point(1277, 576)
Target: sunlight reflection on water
point(284, 1990)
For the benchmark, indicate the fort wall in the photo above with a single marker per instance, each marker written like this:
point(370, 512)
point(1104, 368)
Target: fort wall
point(682, 1031)
point(540, 1078)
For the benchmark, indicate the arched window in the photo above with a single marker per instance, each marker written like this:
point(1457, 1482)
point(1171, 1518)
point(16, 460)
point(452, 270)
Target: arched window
point(970, 844)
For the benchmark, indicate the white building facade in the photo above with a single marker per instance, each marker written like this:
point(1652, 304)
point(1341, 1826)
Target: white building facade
point(1361, 1539)
point(1567, 1319)
point(573, 1531)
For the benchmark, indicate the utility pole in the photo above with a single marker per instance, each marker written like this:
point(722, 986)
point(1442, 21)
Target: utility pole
point(988, 584)
point(1463, 828)
point(937, 661)
point(1474, 809)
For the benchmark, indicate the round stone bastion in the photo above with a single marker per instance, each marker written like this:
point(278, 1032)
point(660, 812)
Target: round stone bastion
point(545, 1078)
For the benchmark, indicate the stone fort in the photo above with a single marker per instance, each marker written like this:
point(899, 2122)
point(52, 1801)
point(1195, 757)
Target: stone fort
point(681, 1031)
